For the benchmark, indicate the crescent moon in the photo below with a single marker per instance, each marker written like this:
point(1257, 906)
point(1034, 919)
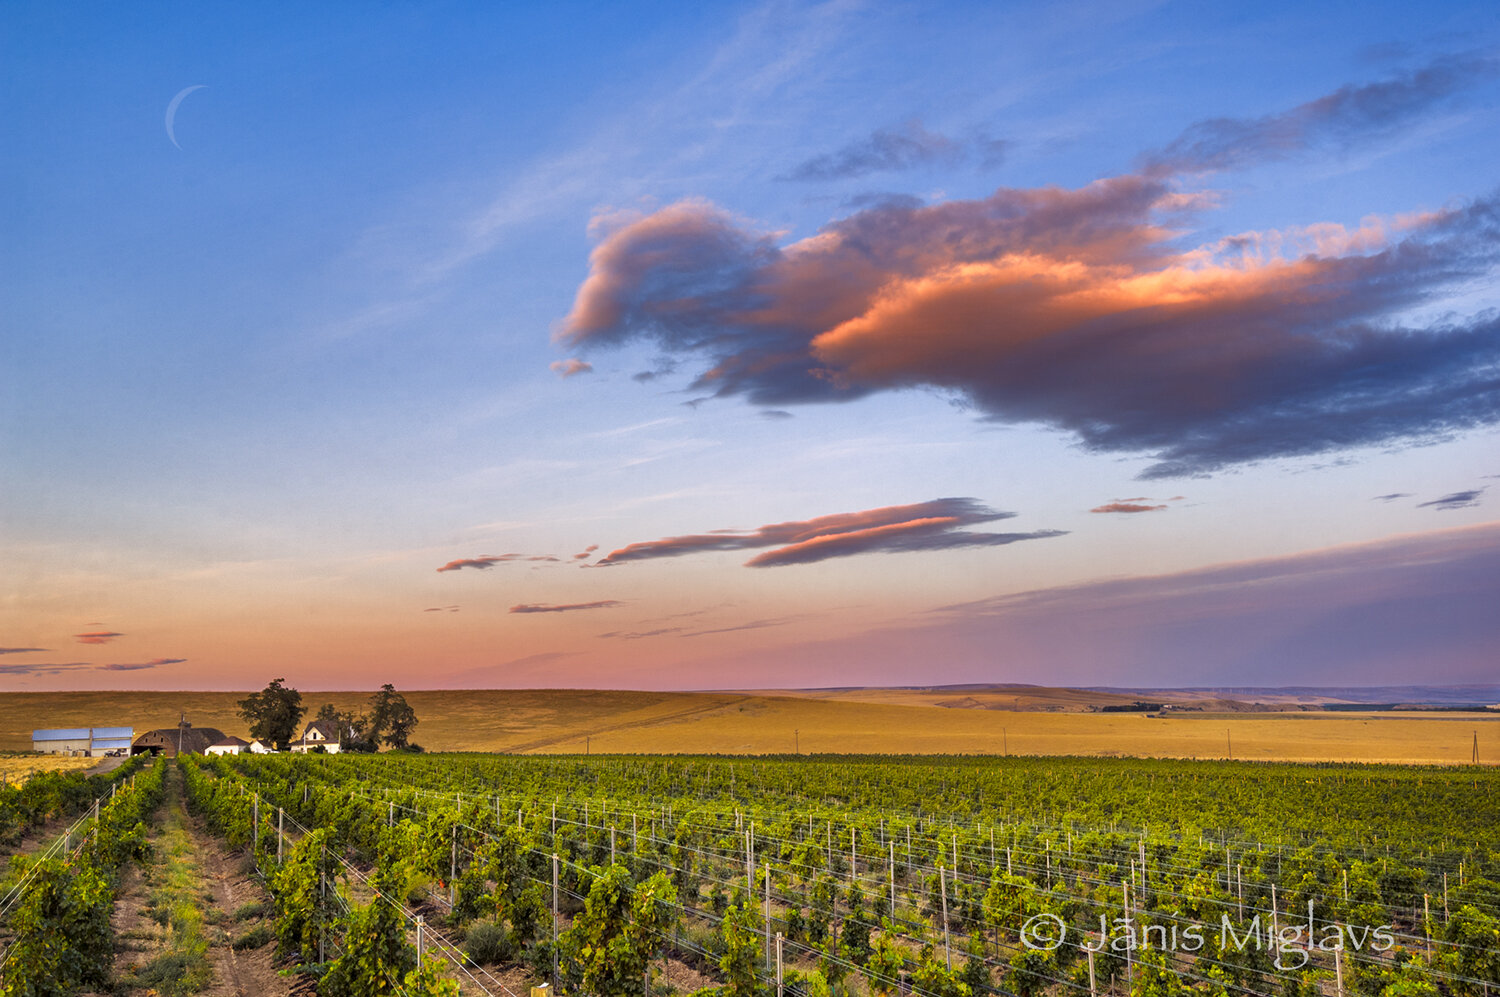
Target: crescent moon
point(172, 109)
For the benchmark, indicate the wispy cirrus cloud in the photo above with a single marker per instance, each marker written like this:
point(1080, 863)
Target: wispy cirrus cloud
point(1391, 497)
point(640, 634)
point(97, 637)
point(489, 560)
point(1080, 309)
point(21, 650)
point(566, 607)
point(907, 146)
point(935, 525)
point(1455, 500)
point(1337, 120)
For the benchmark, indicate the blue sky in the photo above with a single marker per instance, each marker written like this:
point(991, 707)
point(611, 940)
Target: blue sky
point(962, 273)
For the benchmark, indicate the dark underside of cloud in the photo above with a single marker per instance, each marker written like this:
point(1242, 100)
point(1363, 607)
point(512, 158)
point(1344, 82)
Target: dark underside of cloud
point(1078, 309)
point(21, 650)
point(97, 637)
point(936, 525)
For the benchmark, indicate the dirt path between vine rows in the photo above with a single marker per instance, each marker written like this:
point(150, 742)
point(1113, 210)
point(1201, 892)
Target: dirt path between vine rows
point(189, 867)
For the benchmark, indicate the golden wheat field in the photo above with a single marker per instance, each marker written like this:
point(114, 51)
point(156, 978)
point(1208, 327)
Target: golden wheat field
point(16, 769)
point(604, 721)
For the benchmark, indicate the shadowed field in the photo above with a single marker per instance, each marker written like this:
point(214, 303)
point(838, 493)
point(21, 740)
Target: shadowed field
point(570, 720)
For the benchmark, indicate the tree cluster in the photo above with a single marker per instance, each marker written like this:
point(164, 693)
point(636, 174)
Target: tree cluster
point(275, 713)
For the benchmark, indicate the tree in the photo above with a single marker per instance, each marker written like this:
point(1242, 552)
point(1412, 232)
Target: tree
point(391, 718)
point(273, 713)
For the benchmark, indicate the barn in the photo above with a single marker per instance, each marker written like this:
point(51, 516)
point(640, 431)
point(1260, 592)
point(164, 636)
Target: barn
point(182, 739)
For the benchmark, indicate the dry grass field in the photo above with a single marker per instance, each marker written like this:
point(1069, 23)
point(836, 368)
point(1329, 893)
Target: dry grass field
point(16, 769)
point(565, 721)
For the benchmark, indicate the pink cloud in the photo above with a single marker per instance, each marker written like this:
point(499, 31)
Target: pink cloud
point(97, 637)
point(570, 367)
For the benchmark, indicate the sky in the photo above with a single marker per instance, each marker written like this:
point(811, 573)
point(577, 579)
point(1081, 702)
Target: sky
point(749, 345)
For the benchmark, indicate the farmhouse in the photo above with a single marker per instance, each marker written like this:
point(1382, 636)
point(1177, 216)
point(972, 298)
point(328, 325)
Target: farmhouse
point(85, 742)
point(229, 746)
point(259, 747)
point(183, 739)
point(320, 734)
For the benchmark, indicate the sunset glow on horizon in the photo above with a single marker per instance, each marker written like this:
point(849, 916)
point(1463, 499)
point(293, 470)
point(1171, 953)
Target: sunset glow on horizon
point(751, 346)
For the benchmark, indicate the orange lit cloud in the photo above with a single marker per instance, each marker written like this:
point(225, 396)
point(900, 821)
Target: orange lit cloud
point(97, 637)
point(1080, 309)
point(1127, 505)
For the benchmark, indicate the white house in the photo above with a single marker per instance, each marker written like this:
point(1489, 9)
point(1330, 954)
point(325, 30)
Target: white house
point(320, 734)
point(229, 746)
point(259, 747)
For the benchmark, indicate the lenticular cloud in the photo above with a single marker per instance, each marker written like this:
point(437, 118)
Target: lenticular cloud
point(936, 525)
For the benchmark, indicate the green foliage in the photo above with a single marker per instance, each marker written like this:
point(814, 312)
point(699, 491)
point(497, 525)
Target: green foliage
point(612, 940)
point(63, 938)
point(273, 713)
point(742, 953)
point(375, 951)
point(304, 891)
point(884, 967)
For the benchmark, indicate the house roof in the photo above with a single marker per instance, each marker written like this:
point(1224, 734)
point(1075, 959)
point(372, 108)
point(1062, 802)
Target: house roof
point(195, 740)
point(231, 742)
point(327, 728)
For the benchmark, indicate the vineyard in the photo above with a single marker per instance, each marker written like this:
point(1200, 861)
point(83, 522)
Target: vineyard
point(826, 877)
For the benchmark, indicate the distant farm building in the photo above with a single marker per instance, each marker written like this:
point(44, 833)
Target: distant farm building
point(229, 746)
point(184, 739)
point(320, 734)
point(85, 742)
point(259, 747)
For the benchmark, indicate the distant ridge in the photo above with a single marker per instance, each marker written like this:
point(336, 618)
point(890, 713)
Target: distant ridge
point(1436, 695)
